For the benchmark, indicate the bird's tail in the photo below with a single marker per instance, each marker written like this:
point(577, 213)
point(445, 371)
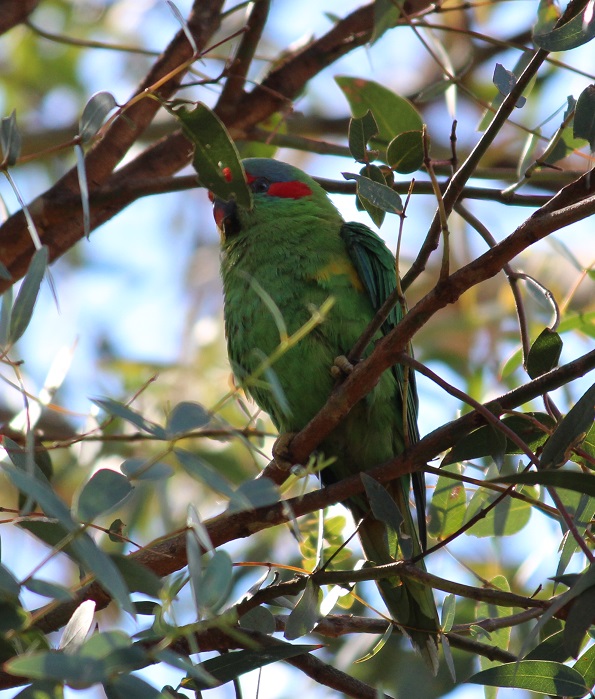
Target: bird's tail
point(409, 602)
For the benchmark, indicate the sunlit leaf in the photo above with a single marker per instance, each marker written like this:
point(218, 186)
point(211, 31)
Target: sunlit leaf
point(570, 35)
point(571, 430)
point(541, 676)
point(544, 354)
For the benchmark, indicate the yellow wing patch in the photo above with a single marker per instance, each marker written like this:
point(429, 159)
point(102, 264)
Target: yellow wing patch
point(340, 267)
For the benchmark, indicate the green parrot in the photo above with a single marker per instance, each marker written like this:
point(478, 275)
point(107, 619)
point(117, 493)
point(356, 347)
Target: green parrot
point(290, 253)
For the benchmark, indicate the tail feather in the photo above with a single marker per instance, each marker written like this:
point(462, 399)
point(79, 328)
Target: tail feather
point(409, 602)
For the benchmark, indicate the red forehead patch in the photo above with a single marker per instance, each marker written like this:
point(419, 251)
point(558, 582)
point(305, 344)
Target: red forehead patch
point(227, 174)
point(289, 190)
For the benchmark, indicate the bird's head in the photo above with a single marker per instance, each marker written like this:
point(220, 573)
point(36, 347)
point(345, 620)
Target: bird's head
point(281, 194)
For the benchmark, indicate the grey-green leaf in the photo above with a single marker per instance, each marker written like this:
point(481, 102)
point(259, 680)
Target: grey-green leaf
point(117, 409)
point(380, 195)
point(94, 113)
point(22, 309)
point(185, 417)
point(10, 138)
point(305, 614)
point(105, 490)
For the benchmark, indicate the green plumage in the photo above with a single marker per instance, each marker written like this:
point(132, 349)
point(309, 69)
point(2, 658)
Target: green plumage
point(291, 253)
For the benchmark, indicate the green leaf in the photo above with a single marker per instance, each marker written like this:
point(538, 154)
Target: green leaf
point(379, 195)
point(476, 444)
point(113, 407)
point(214, 150)
point(571, 480)
point(447, 616)
point(10, 138)
point(405, 153)
point(581, 508)
point(521, 64)
point(42, 493)
point(386, 16)
point(252, 494)
point(131, 687)
point(571, 430)
point(544, 353)
point(361, 130)
point(138, 578)
point(49, 589)
point(201, 471)
point(393, 114)
point(551, 648)
point(105, 490)
point(505, 80)
point(13, 617)
point(231, 665)
point(94, 113)
point(258, 619)
point(506, 518)
point(586, 666)
point(306, 613)
point(579, 620)
point(143, 470)
point(215, 582)
point(103, 568)
point(9, 585)
point(574, 33)
point(500, 638)
point(22, 309)
point(42, 690)
point(186, 417)
point(56, 665)
point(385, 509)
point(541, 676)
point(448, 505)
point(584, 116)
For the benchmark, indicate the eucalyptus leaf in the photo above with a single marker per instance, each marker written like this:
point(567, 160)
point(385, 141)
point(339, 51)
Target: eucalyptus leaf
point(117, 409)
point(584, 116)
point(306, 613)
point(541, 676)
point(214, 151)
point(24, 303)
point(231, 665)
point(105, 490)
point(570, 35)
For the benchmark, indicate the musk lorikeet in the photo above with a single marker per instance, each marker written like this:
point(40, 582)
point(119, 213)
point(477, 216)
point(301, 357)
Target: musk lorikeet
point(290, 253)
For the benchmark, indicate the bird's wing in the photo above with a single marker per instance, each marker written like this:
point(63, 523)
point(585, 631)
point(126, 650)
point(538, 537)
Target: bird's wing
point(375, 265)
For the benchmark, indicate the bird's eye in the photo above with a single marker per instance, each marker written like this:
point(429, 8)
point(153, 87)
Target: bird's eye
point(259, 185)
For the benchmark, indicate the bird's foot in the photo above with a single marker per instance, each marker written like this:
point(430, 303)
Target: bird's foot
point(342, 367)
point(282, 451)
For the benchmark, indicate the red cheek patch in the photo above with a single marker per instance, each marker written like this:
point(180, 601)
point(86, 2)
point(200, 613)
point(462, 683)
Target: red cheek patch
point(289, 190)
